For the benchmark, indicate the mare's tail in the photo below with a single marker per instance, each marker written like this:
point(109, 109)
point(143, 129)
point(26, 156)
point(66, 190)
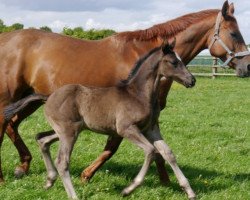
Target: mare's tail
point(11, 110)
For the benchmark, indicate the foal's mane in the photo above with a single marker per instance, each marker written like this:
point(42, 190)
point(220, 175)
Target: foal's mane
point(135, 69)
point(168, 29)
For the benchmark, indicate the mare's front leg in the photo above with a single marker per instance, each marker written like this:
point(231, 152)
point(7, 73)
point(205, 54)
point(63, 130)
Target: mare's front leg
point(12, 132)
point(45, 139)
point(168, 155)
point(111, 147)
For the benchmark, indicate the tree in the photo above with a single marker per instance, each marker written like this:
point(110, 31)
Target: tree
point(2, 26)
point(91, 34)
point(67, 31)
point(46, 28)
point(16, 26)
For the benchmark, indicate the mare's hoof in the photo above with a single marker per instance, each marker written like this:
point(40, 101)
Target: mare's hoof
point(19, 172)
point(84, 179)
point(1, 181)
point(165, 182)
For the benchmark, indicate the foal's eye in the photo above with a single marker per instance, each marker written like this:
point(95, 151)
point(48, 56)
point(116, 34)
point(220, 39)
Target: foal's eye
point(174, 62)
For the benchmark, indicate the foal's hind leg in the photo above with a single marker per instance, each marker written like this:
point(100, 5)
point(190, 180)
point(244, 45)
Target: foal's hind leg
point(45, 139)
point(111, 147)
point(133, 134)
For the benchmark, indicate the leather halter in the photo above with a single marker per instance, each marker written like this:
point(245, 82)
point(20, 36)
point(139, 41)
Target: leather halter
point(216, 37)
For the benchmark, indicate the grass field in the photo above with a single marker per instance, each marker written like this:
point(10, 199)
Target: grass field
point(207, 127)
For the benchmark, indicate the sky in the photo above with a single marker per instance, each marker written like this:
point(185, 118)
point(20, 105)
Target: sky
point(119, 15)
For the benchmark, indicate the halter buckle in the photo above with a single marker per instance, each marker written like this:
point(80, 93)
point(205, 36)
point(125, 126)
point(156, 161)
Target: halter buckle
point(232, 54)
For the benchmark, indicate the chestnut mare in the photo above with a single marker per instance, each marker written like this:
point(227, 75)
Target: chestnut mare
point(131, 111)
point(40, 62)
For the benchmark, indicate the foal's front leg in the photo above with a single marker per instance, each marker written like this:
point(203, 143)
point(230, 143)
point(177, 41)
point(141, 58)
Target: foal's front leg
point(133, 134)
point(168, 155)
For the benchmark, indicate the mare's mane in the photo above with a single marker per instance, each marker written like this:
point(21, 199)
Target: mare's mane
point(168, 29)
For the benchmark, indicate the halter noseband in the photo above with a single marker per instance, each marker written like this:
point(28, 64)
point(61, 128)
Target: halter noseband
point(216, 37)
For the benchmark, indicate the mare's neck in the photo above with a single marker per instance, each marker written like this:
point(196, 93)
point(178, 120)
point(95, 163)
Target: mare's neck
point(194, 39)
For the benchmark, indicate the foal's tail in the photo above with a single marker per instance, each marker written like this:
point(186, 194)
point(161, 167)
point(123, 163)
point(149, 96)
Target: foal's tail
point(11, 110)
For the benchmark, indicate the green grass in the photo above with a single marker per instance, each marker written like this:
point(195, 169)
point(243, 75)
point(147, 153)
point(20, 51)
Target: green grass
point(208, 128)
point(208, 69)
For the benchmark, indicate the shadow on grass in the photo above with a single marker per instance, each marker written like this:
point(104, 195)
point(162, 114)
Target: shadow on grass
point(201, 180)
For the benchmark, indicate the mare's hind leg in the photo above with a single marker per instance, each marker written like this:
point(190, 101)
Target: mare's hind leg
point(12, 132)
point(133, 134)
point(2, 130)
point(111, 147)
point(161, 168)
point(168, 155)
point(45, 139)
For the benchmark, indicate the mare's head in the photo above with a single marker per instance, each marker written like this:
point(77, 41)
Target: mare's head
point(171, 67)
point(227, 43)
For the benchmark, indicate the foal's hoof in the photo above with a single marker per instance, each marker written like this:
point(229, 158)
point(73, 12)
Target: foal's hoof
point(193, 197)
point(19, 172)
point(125, 192)
point(48, 185)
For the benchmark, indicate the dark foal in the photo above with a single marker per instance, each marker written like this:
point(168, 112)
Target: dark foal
point(131, 111)
point(41, 62)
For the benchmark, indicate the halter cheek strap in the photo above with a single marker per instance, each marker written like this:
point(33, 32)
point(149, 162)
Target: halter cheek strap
point(216, 37)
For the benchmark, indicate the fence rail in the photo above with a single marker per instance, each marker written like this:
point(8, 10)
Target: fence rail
point(212, 65)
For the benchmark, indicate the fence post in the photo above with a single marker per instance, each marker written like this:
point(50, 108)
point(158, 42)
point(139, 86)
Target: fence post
point(214, 67)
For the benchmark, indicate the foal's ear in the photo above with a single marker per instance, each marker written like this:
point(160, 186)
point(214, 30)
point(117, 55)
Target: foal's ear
point(172, 43)
point(168, 46)
point(227, 10)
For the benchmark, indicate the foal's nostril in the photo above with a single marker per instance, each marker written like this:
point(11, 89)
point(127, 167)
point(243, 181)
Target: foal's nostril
point(193, 80)
point(248, 67)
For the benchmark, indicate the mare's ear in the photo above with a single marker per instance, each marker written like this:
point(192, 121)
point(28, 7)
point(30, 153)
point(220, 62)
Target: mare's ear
point(227, 10)
point(168, 46)
point(165, 47)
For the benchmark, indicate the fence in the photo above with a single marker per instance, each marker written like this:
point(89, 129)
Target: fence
point(208, 66)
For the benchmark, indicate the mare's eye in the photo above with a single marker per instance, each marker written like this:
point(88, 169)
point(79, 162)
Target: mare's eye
point(234, 35)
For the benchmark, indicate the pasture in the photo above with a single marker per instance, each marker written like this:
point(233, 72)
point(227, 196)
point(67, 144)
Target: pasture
point(207, 127)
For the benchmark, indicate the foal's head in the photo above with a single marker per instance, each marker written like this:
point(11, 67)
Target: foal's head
point(171, 67)
point(226, 42)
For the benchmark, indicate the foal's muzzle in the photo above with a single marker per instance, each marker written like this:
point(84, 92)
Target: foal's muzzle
point(192, 83)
